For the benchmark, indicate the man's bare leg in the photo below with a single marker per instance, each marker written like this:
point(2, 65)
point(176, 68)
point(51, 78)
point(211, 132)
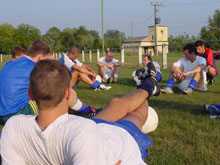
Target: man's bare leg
point(115, 70)
point(118, 108)
point(139, 116)
point(211, 71)
point(85, 78)
point(75, 78)
point(102, 71)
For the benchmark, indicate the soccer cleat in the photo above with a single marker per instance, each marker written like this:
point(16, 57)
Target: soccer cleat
point(149, 72)
point(93, 111)
point(167, 90)
point(103, 87)
point(214, 116)
point(188, 91)
point(211, 81)
point(212, 109)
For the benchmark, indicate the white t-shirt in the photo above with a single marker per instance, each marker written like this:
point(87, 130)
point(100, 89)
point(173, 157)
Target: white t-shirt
point(186, 65)
point(68, 62)
point(68, 140)
point(108, 71)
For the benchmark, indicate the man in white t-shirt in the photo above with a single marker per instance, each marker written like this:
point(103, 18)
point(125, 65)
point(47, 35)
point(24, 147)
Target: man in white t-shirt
point(190, 71)
point(55, 137)
point(109, 67)
point(80, 71)
point(146, 60)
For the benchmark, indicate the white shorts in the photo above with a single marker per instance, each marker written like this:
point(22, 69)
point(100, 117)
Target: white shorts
point(201, 85)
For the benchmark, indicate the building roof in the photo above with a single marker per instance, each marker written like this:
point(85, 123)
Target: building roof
point(138, 39)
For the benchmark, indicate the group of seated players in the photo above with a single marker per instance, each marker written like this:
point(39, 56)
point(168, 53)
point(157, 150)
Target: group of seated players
point(42, 89)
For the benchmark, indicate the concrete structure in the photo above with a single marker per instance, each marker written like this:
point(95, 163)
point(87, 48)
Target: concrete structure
point(147, 42)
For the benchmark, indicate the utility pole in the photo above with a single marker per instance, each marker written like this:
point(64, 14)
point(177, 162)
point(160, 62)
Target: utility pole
point(132, 36)
point(103, 40)
point(156, 21)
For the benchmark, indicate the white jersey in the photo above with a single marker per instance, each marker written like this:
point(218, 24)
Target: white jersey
point(68, 140)
point(186, 65)
point(68, 62)
point(108, 71)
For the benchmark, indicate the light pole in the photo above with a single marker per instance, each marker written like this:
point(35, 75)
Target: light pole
point(103, 40)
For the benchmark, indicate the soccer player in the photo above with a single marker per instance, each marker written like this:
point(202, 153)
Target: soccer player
point(80, 71)
point(208, 55)
point(18, 52)
point(55, 137)
point(109, 67)
point(14, 84)
point(136, 76)
point(190, 71)
point(214, 110)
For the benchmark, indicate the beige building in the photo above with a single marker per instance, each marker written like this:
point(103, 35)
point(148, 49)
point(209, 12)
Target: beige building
point(147, 42)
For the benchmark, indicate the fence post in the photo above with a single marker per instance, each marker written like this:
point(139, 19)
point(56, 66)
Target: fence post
point(83, 56)
point(98, 54)
point(90, 56)
point(1, 58)
point(60, 54)
point(122, 56)
point(139, 56)
point(164, 58)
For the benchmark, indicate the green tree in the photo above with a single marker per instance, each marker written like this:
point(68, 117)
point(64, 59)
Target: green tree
point(52, 38)
point(113, 38)
point(26, 34)
point(7, 38)
point(212, 31)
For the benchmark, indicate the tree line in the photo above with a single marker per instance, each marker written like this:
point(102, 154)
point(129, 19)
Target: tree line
point(58, 40)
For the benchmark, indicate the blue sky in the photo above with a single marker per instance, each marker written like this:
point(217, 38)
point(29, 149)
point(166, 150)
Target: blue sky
point(181, 17)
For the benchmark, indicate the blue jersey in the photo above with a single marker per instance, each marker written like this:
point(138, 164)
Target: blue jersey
point(14, 83)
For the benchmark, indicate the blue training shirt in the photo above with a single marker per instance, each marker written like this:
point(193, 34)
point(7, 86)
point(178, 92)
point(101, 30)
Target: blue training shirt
point(14, 83)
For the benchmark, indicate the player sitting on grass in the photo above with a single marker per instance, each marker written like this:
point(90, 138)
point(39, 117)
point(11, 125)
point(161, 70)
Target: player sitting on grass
point(80, 71)
point(55, 137)
point(109, 68)
point(190, 71)
point(17, 52)
point(208, 55)
point(214, 110)
point(14, 84)
point(136, 74)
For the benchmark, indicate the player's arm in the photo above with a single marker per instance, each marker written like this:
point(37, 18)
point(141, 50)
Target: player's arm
point(90, 69)
point(82, 70)
point(197, 69)
point(101, 64)
point(117, 63)
point(175, 72)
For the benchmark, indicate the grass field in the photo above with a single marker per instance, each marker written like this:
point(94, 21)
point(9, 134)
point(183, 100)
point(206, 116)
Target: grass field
point(185, 134)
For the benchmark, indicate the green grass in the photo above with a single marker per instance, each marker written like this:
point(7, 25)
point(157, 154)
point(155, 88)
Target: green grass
point(185, 134)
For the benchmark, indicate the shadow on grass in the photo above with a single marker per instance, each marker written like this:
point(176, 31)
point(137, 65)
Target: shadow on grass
point(127, 82)
point(177, 106)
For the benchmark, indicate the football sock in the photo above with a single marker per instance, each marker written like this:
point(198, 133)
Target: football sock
point(170, 83)
point(192, 84)
point(106, 77)
point(148, 86)
point(217, 106)
point(80, 107)
point(95, 84)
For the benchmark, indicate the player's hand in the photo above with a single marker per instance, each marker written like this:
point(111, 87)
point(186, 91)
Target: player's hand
point(110, 66)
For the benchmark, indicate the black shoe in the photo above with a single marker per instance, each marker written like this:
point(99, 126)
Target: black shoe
point(149, 72)
point(211, 81)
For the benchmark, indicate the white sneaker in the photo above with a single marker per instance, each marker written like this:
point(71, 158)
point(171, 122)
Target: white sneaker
point(103, 87)
point(167, 90)
point(188, 91)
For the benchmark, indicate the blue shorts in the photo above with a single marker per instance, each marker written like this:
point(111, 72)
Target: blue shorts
point(142, 140)
point(159, 76)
